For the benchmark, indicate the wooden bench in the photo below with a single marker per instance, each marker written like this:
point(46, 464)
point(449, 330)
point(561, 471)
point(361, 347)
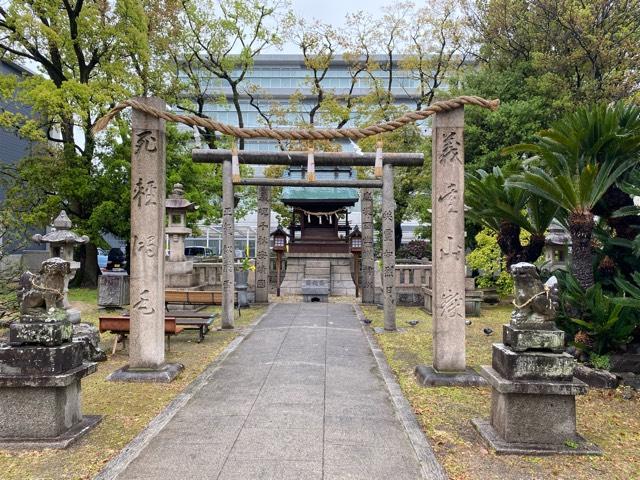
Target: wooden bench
point(195, 321)
point(201, 298)
point(194, 297)
point(120, 326)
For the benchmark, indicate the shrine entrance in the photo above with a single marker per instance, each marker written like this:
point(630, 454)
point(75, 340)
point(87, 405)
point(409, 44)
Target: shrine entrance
point(147, 215)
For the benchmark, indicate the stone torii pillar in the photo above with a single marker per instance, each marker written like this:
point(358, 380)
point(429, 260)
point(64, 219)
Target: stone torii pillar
point(447, 232)
point(388, 248)
point(228, 247)
point(368, 259)
point(262, 244)
point(148, 177)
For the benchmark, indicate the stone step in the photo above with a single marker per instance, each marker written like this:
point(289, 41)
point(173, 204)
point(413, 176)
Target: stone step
point(317, 272)
point(317, 264)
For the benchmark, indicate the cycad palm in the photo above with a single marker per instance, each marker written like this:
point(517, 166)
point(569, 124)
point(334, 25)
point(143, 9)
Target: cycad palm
point(575, 163)
point(507, 211)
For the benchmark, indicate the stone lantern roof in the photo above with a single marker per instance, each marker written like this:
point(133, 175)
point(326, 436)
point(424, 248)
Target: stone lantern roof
point(557, 235)
point(176, 200)
point(62, 235)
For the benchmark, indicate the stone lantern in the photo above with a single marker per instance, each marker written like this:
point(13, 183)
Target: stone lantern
point(62, 241)
point(177, 207)
point(557, 247)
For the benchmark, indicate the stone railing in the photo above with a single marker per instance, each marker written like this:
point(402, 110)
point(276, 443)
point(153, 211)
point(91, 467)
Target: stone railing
point(409, 280)
point(209, 274)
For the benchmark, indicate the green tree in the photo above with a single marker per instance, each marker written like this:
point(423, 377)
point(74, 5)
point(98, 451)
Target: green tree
point(507, 211)
point(83, 51)
point(575, 163)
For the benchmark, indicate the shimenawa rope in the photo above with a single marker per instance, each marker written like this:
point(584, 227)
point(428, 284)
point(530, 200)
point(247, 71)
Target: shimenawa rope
point(298, 134)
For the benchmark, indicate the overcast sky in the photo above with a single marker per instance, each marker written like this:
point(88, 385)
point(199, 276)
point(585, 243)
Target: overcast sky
point(332, 11)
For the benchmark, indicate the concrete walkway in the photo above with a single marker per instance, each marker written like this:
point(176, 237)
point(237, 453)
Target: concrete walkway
point(302, 397)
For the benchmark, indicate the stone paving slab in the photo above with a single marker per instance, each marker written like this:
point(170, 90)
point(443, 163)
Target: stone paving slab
point(302, 397)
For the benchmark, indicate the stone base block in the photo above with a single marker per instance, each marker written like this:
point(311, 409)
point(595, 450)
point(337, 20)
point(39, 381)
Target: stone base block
point(532, 387)
point(428, 376)
point(36, 360)
point(521, 340)
point(61, 441)
point(48, 334)
point(532, 365)
point(578, 446)
point(41, 407)
point(166, 374)
point(526, 418)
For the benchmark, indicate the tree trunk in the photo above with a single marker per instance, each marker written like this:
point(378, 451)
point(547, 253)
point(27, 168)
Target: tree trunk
point(88, 273)
point(512, 248)
point(581, 226)
point(509, 242)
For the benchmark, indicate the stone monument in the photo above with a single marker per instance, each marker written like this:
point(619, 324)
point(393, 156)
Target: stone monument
point(533, 408)
point(41, 367)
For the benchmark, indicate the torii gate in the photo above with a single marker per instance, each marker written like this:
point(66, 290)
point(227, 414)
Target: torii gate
point(148, 164)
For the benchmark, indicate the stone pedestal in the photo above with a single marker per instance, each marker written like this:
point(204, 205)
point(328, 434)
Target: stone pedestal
point(533, 408)
point(40, 396)
point(113, 289)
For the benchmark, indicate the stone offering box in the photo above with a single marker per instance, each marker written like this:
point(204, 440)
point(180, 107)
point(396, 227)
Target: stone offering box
point(113, 289)
point(315, 290)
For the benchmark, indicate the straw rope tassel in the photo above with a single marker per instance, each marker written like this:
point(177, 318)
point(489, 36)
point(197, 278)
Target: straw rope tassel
point(378, 164)
point(311, 167)
point(235, 164)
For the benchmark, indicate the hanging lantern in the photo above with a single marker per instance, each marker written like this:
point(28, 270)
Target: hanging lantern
point(279, 237)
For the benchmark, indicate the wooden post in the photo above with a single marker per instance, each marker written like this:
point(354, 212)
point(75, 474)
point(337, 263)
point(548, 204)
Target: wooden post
point(148, 164)
point(262, 245)
point(228, 246)
point(356, 268)
point(388, 248)
point(368, 259)
point(448, 242)
point(278, 267)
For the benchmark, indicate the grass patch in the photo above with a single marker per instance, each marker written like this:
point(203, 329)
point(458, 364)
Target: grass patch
point(127, 407)
point(604, 417)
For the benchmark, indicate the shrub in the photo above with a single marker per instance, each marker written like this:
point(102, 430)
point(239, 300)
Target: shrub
point(608, 322)
point(487, 259)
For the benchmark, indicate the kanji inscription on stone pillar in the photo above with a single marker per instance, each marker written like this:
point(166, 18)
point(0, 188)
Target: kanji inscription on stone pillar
point(228, 248)
point(388, 248)
point(262, 244)
point(448, 241)
point(368, 259)
point(148, 164)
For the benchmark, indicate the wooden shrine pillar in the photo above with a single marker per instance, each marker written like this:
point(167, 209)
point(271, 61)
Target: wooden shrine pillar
point(228, 246)
point(262, 244)
point(388, 249)
point(368, 257)
point(448, 242)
